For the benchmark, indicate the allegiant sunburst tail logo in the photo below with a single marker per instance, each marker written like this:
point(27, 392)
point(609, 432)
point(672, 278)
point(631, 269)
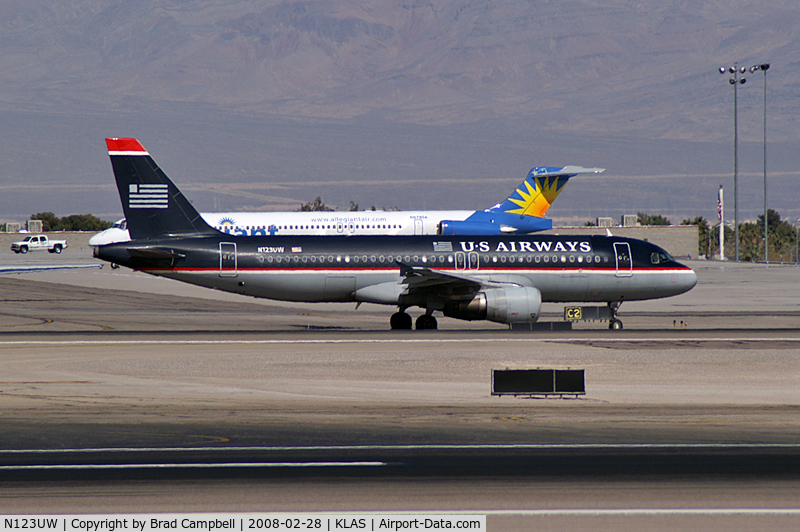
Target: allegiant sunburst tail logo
point(537, 192)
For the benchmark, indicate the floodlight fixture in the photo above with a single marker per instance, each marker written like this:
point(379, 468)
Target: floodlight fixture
point(735, 80)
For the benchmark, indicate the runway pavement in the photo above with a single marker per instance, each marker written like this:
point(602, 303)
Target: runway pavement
point(167, 390)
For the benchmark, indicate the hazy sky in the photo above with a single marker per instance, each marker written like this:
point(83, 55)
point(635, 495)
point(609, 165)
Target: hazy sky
point(447, 105)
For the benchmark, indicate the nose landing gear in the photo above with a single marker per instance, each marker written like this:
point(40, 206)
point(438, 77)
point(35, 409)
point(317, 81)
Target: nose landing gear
point(614, 323)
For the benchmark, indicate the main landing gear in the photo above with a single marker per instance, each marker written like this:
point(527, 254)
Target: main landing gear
point(402, 321)
point(614, 322)
point(426, 321)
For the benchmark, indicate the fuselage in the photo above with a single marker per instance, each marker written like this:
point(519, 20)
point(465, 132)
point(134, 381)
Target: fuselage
point(322, 223)
point(563, 268)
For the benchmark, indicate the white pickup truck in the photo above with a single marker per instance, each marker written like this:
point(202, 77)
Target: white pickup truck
point(38, 242)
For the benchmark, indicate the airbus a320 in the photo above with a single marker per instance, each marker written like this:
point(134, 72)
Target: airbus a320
point(501, 278)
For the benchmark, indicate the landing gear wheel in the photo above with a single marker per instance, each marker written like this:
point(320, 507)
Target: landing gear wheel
point(614, 323)
point(426, 321)
point(400, 320)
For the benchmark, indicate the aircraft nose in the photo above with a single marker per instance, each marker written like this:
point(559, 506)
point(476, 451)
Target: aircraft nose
point(689, 280)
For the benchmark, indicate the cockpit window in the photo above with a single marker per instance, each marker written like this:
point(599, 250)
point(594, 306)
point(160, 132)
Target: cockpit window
point(660, 257)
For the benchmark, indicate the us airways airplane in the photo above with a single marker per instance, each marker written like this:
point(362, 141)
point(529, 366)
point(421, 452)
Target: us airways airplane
point(522, 212)
point(501, 278)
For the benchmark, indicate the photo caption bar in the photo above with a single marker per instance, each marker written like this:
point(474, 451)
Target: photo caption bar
point(251, 522)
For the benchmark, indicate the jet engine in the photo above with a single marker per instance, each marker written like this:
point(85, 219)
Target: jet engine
point(501, 305)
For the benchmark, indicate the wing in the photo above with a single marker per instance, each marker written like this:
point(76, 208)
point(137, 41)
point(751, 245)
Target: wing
point(424, 278)
point(451, 284)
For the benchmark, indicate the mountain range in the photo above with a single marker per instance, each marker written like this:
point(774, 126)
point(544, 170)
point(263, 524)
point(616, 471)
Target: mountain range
point(400, 103)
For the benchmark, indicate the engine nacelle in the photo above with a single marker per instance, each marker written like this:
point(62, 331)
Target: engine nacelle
point(501, 305)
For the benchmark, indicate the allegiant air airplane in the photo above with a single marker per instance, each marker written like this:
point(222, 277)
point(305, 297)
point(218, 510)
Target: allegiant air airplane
point(501, 278)
point(522, 212)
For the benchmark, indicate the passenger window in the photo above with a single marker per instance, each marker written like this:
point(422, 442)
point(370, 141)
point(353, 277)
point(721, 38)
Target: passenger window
point(655, 258)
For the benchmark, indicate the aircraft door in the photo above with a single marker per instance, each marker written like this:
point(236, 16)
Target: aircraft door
point(340, 227)
point(461, 260)
point(418, 226)
point(473, 261)
point(228, 260)
point(622, 252)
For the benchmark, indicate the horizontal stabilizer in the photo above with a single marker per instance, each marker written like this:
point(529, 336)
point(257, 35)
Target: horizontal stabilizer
point(155, 254)
point(46, 267)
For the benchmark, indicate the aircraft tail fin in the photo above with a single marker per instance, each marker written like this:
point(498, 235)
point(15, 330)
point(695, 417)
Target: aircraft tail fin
point(153, 205)
point(540, 189)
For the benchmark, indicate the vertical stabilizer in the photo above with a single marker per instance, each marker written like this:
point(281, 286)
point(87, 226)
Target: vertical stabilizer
point(540, 189)
point(153, 205)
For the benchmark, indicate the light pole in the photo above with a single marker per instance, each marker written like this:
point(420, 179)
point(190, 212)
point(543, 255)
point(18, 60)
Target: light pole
point(735, 70)
point(764, 67)
point(720, 212)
